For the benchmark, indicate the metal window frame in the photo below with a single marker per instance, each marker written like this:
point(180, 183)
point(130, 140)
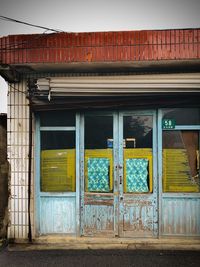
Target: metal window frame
point(161, 194)
point(154, 194)
point(38, 193)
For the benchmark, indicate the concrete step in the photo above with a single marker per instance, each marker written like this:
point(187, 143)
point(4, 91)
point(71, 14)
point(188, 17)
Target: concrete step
point(45, 243)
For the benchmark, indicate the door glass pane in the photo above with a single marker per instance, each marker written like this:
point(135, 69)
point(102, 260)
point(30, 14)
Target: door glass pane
point(98, 153)
point(181, 161)
point(58, 161)
point(138, 158)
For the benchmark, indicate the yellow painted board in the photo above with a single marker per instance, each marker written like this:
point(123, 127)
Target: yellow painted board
point(176, 172)
point(58, 170)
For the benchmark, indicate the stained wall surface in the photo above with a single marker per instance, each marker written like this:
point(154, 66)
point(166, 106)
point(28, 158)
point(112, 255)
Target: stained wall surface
point(18, 149)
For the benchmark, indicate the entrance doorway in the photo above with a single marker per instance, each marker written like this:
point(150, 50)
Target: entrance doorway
point(119, 174)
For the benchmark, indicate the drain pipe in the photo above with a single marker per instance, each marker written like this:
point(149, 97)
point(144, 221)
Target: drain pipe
point(29, 173)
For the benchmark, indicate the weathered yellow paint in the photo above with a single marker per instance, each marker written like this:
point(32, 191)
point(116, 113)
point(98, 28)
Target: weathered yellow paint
point(58, 170)
point(176, 172)
point(139, 153)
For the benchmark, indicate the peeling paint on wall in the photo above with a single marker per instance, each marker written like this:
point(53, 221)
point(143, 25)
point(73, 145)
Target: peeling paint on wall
point(18, 149)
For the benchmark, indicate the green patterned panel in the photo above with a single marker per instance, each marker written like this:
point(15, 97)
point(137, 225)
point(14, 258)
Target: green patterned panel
point(136, 175)
point(98, 175)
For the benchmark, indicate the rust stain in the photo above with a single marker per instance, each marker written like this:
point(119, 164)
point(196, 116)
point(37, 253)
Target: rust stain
point(100, 202)
point(88, 57)
point(138, 219)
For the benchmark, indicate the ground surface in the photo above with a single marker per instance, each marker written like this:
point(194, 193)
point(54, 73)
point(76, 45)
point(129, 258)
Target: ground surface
point(99, 258)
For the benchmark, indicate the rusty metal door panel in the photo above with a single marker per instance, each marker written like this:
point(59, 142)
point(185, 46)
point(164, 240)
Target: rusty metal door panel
point(181, 216)
point(57, 215)
point(138, 219)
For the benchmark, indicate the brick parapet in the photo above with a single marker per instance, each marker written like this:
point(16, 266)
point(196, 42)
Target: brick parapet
point(128, 46)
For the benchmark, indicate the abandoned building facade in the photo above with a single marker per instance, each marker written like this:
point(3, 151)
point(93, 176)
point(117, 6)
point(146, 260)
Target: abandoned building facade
point(103, 134)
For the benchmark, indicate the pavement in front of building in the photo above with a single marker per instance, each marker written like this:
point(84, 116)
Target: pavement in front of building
point(3, 244)
point(99, 258)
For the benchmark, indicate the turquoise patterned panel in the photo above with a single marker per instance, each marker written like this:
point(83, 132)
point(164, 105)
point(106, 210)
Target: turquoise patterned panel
point(98, 175)
point(136, 175)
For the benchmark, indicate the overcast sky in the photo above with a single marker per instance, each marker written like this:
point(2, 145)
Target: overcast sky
point(96, 15)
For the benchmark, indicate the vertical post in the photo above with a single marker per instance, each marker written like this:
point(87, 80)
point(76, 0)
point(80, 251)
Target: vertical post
point(120, 173)
point(29, 173)
point(37, 174)
point(115, 171)
point(78, 174)
point(155, 175)
point(159, 172)
point(82, 176)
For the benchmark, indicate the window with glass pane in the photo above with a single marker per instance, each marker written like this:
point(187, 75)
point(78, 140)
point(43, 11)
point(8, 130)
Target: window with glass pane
point(98, 153)
point(57, 118)
point(138, 161)
point(58, 161)
point(181, 161)
point(183, 116)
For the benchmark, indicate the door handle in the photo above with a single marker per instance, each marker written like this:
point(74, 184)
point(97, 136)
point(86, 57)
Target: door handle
point(198, 159)
point(120, 179)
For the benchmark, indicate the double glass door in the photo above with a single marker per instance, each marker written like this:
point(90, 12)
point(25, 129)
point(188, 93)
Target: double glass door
point(119, 180)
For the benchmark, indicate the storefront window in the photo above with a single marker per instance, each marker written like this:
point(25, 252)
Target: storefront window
point(99, 154)
point(183, 116)
point(181, 161)
point(57, 118)
point(138, 160)
point(58, 154)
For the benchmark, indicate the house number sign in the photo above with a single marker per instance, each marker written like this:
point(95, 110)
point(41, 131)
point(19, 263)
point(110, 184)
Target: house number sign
point(168, 124)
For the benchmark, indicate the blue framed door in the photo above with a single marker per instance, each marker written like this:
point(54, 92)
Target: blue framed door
point(119, 174)
point(138, 202)
point(99, 188)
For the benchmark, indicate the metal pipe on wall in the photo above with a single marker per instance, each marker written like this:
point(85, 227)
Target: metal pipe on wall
point(29, 174)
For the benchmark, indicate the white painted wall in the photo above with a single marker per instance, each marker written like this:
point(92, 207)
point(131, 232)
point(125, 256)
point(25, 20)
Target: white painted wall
point(18, 150)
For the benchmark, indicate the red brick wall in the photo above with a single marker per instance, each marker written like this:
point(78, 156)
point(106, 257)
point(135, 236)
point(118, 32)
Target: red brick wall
point(101, 47)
